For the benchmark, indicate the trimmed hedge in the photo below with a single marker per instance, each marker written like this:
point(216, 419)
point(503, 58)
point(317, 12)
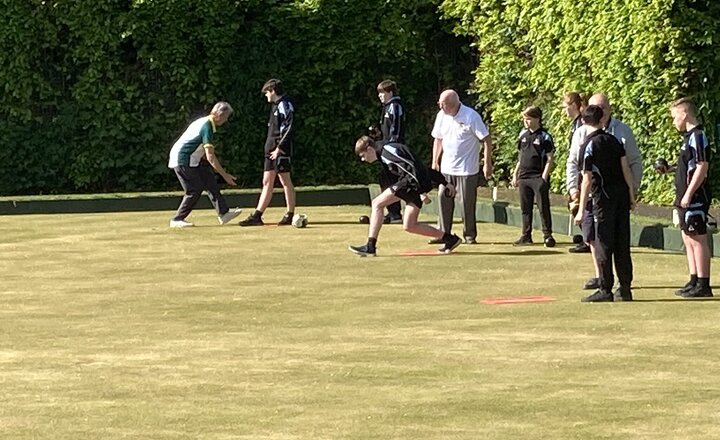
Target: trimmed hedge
point(96, 92)
point(642, 53)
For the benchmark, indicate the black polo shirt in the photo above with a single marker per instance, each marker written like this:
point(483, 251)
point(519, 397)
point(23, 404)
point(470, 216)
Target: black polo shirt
point(534, 148)
point(695, 149)
point(602, 154)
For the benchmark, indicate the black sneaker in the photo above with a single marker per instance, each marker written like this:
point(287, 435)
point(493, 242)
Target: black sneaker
point(436, 241)
point(523, 241)
point(623, 294)
point(286, 220)
point(592, 283)
point(392, 219)
point(598, 296)
point(581, 248)
point(451, 243)
point(363, 251)
point(252, 221)
point(698, 292)
point(549, 241)
point(685, 289)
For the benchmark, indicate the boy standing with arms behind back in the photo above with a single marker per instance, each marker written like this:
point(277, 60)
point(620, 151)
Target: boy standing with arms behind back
point(532, 175)
point(607, 176)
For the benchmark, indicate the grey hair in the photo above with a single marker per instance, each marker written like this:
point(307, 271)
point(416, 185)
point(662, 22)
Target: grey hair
point(221, 108)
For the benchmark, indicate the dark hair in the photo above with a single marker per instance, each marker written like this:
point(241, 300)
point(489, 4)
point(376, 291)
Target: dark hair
point(592, 115)
point(688, 103)
point(533, 112)
point(387, 86)
point(579, 100)
point(274, 85)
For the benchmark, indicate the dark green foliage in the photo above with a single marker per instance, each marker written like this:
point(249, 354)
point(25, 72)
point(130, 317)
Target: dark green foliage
point(96, 92)
point(642, 53)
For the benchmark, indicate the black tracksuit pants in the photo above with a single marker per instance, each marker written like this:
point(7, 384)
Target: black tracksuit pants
point(539, 190)
point(612, 237)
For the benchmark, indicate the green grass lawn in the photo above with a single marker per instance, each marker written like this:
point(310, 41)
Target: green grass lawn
point(115, 327)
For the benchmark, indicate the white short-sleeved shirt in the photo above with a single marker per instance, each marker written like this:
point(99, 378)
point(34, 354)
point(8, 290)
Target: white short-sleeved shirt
point(461, 135)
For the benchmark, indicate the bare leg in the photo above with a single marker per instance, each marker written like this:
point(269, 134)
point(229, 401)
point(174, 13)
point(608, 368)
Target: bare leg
point(267, 190)
point(593, 252)
point(411, 225)
point(289, 191)
point(692, 267)
point(378, 206)
point(697, 246)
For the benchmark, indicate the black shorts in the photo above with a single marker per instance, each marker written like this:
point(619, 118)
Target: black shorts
point(693, 219)
point(588, 223)
point(280, 165)
point(407, 194)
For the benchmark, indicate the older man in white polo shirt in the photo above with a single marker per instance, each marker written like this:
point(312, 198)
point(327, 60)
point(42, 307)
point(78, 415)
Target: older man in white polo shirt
point(458, 132)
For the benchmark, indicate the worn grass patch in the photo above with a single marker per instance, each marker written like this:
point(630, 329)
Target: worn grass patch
point(114, 326)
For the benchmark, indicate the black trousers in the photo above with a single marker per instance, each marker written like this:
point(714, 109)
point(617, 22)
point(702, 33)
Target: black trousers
point(386, 181)
point(194, 181)
point(535, 189)
point(612, 238)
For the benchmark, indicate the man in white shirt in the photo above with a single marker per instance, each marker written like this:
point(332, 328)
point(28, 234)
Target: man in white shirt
point(458, 132)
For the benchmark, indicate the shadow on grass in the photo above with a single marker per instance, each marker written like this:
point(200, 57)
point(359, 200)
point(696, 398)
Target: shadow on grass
point(677, 300)
point(663, 287)
point(524, 253)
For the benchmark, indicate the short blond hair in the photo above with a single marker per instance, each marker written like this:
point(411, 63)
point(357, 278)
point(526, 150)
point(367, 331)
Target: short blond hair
point(363, 144)
point(687, 103)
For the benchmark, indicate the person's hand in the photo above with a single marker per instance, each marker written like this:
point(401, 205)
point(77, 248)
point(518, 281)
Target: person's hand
point(514, 182)
point(487, 170)
point(449, 190)
point(436, 166)
point(375, 133)
point(230, 179)
point(274, 154)
point(425, 199)
point(579, 217)
point(686, 200)
point(573, 206)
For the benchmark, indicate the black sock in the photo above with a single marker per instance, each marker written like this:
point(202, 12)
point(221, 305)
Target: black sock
point(257, 214)
point(446, 236)
point(703, 282)
point(290, 214)
point(371, 242)
point(693, 279)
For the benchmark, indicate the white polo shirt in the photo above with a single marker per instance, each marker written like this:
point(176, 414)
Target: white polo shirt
point(461, 136)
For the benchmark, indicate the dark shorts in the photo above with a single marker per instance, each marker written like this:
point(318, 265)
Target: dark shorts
point(588, 223)
point(407, 194)
point(693, 220)
point(280, 165)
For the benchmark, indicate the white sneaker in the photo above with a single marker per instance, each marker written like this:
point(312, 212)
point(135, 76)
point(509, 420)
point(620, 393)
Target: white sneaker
point(180, 224)
point(229, 216)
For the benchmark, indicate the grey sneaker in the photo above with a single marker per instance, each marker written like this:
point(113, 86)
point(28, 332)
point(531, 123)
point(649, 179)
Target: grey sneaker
point(598, 296)
point(229, 216)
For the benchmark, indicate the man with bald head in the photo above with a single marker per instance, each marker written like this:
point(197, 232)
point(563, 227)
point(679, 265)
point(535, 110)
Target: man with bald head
point(574, 164)
point(458, 133)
